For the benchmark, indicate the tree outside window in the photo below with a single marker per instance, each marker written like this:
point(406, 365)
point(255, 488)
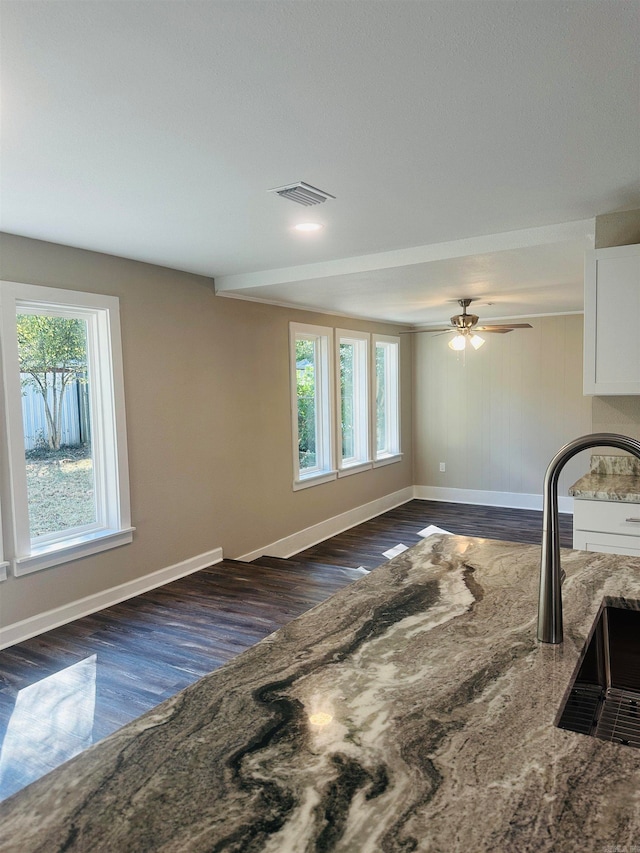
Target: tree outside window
point(306, 396)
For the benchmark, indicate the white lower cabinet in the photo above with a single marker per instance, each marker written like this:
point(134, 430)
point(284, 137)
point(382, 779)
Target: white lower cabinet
point(611, 527)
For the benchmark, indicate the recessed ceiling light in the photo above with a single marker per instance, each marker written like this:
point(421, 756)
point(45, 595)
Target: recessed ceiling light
point(308, 226)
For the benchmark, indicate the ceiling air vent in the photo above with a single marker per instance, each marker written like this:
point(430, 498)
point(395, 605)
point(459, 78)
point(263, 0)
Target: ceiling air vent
point(302, 193)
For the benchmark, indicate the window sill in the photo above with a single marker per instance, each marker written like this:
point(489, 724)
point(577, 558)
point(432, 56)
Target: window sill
point(3, 571)
point(355, 469)
point(314, 480)
point(63, 552)
point(388, 460)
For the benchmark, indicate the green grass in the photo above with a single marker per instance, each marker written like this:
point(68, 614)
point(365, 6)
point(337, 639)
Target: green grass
point(60, 489)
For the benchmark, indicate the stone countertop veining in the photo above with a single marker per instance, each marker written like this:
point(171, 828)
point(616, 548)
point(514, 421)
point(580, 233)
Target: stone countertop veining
point(413, 710)
point(607, 487)
point(611, 478)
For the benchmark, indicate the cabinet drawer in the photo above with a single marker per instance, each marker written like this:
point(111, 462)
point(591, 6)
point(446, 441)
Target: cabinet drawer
point(607, 516)
point(606, 543)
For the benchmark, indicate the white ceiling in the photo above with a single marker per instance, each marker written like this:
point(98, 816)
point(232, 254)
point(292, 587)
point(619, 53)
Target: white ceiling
point(469, 144)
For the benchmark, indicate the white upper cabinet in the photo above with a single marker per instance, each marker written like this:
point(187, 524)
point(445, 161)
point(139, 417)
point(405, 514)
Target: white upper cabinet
point(612, 321)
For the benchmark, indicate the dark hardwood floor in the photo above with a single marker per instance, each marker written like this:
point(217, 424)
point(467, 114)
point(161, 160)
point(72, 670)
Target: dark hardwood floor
point(108, 668)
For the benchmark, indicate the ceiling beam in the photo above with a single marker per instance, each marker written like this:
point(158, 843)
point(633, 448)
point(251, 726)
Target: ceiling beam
point(582, 229)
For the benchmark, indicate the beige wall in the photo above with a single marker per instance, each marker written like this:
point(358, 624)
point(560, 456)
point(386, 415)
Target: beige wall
point(617, 229)
point(208, 423)
point(497, 419)
point(209, 427)
point(496, 416)
point(617, 414)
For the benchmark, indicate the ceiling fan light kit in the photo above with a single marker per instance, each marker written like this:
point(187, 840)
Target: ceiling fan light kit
point(466, 325)
point(460, 341)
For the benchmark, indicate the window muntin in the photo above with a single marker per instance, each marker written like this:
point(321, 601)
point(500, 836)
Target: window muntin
point(387, 397)
point(311, 393)
point(104, 519)
point(352, 405)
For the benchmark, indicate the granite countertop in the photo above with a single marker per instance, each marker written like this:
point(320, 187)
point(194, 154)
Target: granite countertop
point(411, 711)
point(607, 487)
point(611, 478)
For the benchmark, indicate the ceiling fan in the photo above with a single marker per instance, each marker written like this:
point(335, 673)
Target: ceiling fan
point(466, 325)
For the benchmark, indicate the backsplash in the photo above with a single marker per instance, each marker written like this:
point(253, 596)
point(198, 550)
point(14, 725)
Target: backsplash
point(616, 414)
point(627, 465)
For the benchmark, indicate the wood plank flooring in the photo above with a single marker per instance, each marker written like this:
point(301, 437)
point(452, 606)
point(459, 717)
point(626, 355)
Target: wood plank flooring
point(148, 648)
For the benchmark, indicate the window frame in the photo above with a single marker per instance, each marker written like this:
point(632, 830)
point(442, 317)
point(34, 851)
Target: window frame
point(324, 471)
point(328, 385)
point(393, 451)
point(109, 442)
point(361, 461)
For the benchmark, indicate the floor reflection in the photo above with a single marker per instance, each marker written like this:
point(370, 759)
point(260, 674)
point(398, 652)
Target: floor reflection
point(52, 721)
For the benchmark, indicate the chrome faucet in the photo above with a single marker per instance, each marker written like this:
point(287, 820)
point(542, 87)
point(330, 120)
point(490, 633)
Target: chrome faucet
point(550, 598)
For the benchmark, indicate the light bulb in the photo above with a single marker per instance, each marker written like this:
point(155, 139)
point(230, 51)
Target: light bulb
point(476, 341)
point(458, 343)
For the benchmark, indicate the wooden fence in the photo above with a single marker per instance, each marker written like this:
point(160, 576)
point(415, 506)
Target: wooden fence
point(75, 416)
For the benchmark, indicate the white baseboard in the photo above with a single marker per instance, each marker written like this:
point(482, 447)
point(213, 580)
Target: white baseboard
point(310, 536)
point(514, 500)
point(286, 547)
point(34, 625)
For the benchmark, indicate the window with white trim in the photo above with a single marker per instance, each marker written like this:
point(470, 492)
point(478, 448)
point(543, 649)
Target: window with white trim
point(387, 397)
point(311, 398)
point(333, 435)
point(66, 445)
point(352, 375)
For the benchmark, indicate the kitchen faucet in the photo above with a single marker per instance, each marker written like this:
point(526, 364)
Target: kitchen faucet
point(550, 597)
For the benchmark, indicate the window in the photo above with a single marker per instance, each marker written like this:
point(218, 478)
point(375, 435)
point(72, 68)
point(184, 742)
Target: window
point(353, 398)
point(387, 398)
point(311, 395)
point(359, 415)
point(66, 441)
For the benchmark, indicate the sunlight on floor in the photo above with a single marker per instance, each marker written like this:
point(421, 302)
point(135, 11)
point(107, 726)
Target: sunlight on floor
point(51, 722)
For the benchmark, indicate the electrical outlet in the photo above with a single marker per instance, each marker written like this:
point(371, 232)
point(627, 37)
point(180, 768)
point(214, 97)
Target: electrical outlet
point(443, 467)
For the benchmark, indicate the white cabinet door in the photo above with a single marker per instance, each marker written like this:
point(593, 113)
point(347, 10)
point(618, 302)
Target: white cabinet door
point(612, 321)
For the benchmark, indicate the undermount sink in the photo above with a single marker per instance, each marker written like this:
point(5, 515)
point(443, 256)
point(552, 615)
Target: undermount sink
point(603, 699)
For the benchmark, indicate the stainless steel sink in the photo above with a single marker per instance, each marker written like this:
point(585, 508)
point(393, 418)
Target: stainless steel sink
point(603, 699)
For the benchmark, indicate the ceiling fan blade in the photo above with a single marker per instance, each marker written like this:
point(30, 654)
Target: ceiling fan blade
point(508, 326)
point(464, 324)
point(416, 331)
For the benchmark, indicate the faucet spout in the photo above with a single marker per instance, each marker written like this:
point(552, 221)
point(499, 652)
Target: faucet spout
point(550, 596)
